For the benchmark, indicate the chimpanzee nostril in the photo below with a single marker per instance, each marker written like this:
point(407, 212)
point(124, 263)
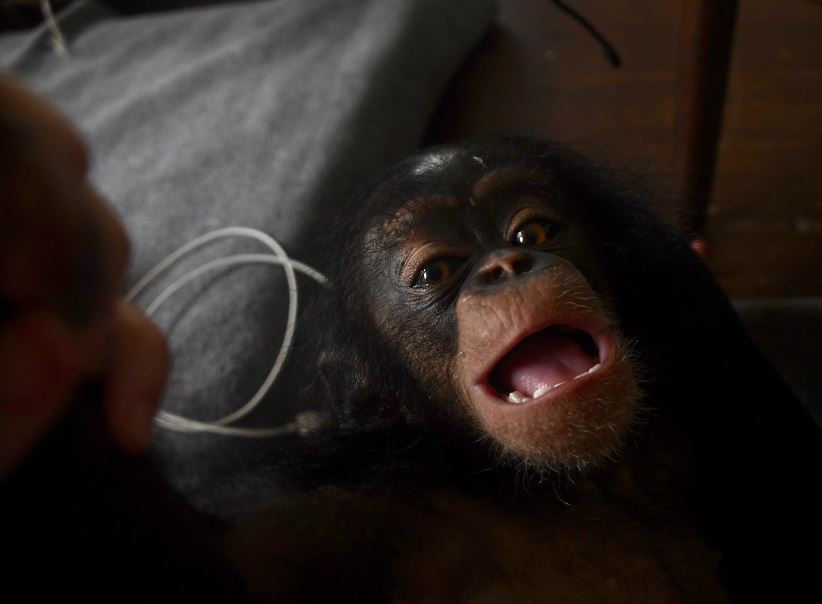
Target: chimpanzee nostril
point(522, 265)
point(504, 265)
point(494, 274)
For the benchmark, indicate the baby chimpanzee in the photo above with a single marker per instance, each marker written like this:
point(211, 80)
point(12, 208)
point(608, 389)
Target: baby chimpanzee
point(537, 393)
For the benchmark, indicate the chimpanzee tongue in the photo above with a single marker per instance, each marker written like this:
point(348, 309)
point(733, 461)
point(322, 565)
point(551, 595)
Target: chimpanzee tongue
point(544, 359)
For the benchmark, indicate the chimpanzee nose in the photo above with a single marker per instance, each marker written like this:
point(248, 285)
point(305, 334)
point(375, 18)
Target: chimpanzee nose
point(503, 265)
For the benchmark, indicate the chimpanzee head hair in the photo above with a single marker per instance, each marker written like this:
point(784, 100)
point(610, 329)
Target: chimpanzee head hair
point(688, 349)
point(646, 279)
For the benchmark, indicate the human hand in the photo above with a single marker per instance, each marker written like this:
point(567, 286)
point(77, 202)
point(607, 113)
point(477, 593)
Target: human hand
point(62, 257)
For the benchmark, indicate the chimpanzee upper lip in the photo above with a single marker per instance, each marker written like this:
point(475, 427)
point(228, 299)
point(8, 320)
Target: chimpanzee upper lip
point(539, 360)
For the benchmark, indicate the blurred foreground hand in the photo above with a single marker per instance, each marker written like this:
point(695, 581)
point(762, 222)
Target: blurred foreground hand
point(62, 257)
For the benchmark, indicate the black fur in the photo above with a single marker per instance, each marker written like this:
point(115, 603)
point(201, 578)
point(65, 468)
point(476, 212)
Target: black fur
point(759, 454)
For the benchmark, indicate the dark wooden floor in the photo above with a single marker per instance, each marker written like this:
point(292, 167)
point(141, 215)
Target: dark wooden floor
point(539, 73)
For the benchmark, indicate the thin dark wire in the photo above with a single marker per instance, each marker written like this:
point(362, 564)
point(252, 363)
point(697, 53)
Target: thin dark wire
point(610, 52)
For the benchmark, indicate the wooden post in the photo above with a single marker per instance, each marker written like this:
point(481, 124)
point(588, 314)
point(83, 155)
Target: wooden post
point(706, 41)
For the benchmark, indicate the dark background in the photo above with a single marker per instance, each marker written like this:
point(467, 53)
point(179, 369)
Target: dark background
point(539, 73)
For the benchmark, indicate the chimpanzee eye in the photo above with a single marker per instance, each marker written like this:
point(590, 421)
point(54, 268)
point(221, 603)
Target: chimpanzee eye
point(436, 272)
point(534, 233)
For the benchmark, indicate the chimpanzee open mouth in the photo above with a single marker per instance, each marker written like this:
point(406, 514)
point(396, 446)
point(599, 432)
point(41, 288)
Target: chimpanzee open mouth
point(544, 361)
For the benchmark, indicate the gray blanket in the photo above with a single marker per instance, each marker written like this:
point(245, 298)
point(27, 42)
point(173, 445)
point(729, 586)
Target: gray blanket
point(264, 115)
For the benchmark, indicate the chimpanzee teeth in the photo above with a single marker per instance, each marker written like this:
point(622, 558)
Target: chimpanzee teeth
point(518, 397)
point(584, 373)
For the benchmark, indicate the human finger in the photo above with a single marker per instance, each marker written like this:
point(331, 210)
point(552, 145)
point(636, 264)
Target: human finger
point(135, 378)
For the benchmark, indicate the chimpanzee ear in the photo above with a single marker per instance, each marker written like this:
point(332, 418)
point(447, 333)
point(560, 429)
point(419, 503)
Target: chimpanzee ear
point(352, 388)
point(701, 248)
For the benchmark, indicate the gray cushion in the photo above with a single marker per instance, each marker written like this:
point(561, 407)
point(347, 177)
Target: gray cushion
point(262, 114)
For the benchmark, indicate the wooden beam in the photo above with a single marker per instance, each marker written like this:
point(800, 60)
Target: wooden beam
point(706, 42)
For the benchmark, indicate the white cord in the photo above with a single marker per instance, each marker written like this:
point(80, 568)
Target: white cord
point(58, 42)
point(303, 422)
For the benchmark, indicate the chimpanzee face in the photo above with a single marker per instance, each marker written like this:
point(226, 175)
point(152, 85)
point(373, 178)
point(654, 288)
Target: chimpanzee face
point(484, 282)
